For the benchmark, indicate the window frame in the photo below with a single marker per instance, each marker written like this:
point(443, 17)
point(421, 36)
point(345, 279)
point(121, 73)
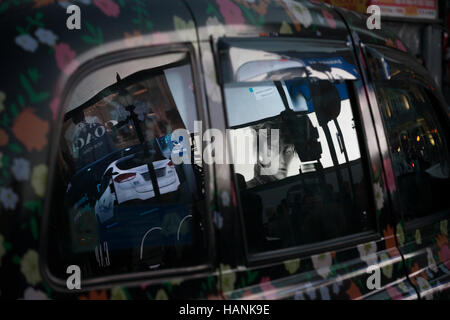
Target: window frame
point(301, 251)
point(132, 278)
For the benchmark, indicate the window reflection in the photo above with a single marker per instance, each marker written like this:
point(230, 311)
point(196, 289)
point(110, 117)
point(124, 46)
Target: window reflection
point(121, 204)
point(419, 154)
point(319, 191)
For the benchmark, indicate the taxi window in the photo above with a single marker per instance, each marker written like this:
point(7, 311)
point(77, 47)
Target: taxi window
point(120, 204)
point(305, 180)
point(419, 152)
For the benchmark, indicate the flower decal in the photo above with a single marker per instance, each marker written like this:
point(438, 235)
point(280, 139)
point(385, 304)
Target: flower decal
point(444, 253)
point(322, 263)
point(118, 294)
point(181, 26)
point(418, 237)
point(39, 179)
point(400, 45)
point(225, 198)
point(214, 26)
point(389, 178)
point(353, 291)
point(324, 293)
point(8, 198)
point(21, 169)
point(228, 278)
point(424, 285)
point(268, 289)
point(46, 36)
point(394, 293)
point(443, 226)
point(160, 38)
point(32, 294)
point(431, 262)
point(400, 235)
point(378, 191)
point(389, 239)
point(300, 12)
point(65, 58)
point(367, 252)
point(292, 265)
point(389, 268)
point(230, 12)
point(108, 7)
point(161, 295)
point(94, 295)
point(27, 42)
point(285, 28)
point(29, 265)
point(402, 286)
point(176, 281)
point(329, 19)
point(54, 106)
point(31, 130)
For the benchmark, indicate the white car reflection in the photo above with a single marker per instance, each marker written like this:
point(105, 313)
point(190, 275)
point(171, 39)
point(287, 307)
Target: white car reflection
point(129, 179)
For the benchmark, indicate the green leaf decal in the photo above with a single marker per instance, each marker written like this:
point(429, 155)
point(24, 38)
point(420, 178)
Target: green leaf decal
point(34, 228)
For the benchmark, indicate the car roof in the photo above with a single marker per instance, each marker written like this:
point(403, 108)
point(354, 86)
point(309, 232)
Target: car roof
point(102, 21)
point(40, 54)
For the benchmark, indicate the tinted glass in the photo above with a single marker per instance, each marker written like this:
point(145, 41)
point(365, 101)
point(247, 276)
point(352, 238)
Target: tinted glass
point(418, 149)
point(120, 203)
point(295, 149)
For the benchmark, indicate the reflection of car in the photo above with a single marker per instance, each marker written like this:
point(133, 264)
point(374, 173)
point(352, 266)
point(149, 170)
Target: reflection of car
point(129, 179)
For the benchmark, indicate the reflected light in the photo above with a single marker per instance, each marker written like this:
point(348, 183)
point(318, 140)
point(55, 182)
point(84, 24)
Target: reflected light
point(405, 100)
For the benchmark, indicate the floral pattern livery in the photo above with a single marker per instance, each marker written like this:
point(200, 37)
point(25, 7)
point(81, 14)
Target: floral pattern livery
point(30, 102)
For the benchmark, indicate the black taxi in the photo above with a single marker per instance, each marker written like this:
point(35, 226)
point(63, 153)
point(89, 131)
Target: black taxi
point(222, 149)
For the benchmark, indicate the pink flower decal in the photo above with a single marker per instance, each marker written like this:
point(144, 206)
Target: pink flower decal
point(230, 12)
point(394, 293)
point(160, 38)
point(108, 7)
point(389, 181)
point(65, 58)
point(444, 253)
point(400, 45)
point(266, 286)
point(54, 106)
point(329, 18)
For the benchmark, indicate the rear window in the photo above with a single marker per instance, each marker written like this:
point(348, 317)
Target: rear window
point(120, 205)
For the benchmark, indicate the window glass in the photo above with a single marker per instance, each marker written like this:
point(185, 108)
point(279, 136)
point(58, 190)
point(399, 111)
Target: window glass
point(120, 203)
point(418, 150)
point(295, 150)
